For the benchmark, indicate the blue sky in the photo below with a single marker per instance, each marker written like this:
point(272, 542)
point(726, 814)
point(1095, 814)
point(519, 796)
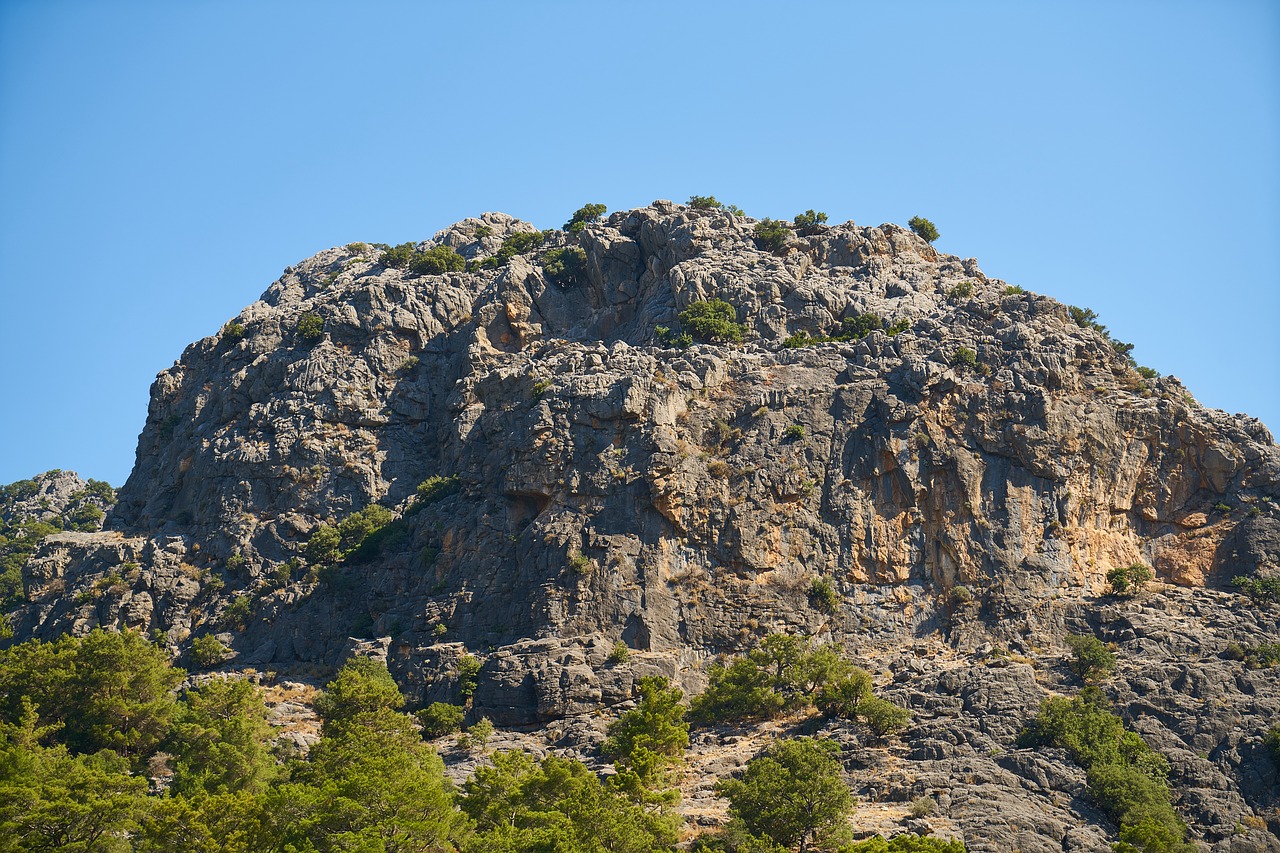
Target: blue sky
point(161, 163)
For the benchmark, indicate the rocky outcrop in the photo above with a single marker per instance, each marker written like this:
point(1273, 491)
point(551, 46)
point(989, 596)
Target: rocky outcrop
point(965, 477)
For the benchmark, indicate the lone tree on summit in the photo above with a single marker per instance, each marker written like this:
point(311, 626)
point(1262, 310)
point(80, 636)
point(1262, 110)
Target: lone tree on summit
point(924, 229)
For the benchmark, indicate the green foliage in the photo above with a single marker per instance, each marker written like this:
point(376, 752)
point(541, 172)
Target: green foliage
point(1087, 729)
point(207, 651)
point(398, 257)
point(1129, 580)
point(619, 653)
point(923, 228)
point(363, 686)
point(772, 235)
point(221, 739)
point(1091, 659)
point(1259, 588)
point(781, 674)
point(234, 563)
point(238, 612)
point(712, 320)
point(1140, 805)
point(232, 333)
point(482, 231)
point(793, 794)
point(310, 327)
point(1272, 742)
point(808, 222)
point(1261, 656)
point(964, 358)
point(583, 215)
point(368, 785)
point(559, 806)
point(437, 260)
point(1126, 777)
point(106, 690)
point(436, 488)
point(468, 674)
point(666, 337)
point(652, 737)
point(882, 716)
point(823, 595)
point(512, 245)
point(844, 696)
point(906, 843)
point(440, 718)
point(794, 432)
point(704, 202)
point(357, 248)
point(324, 545)
point(566, 266)
point(1087, 318)
point(1013, 290)
point(52, 799)
point(851, 329)
point(476, 736)
point(963, 290)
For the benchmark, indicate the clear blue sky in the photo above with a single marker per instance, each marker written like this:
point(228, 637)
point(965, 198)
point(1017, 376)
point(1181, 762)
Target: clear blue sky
point(161, 163)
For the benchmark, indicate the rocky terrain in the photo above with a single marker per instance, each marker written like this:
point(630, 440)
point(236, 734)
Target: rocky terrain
point(963, 478)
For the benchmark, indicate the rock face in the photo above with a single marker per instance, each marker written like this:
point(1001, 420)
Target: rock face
point(963, 478)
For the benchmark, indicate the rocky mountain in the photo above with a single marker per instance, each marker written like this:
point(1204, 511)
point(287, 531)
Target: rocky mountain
point(519, 459)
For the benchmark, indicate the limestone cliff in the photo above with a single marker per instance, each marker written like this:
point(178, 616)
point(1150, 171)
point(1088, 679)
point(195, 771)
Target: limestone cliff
point(963, 477)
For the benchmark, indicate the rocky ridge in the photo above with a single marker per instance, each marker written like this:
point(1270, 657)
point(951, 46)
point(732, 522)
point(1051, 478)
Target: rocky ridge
point(608, 488)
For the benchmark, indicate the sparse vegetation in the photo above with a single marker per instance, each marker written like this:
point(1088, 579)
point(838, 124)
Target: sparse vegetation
point(436, 260)
point(311, 327)
point(713, 320)
point(514, 244)
point(436, 488)
point(440, 719)
point(233, 332)
point(772, 235)
point(823, 596)
point(923, 228)
point(207, 651)
point(566, 266)
point(1091, 659)
point(583, 215)
point(1129, 580)
point(794, 432)
point(962, 290)
point(964, 358)
point(704, 202)
point(1258, 587)
point(808, 222)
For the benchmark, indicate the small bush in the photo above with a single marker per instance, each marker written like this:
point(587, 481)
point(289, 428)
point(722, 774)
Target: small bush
point(468, 674)
point(583, 215)
point(234, 563)
point(514, 244)
point(566, 266)
point(578, 563)
point(481, 232)
point(712, 320)
point(357, 248)
point(844, 696)
point(808, 222)
point(476, 736)
point(1091, 659)
point(1013, 290)
point(440, 718)
point(1272, 742)
point(923, 228)
point(704, 202)
point(1129, 580)
point(437, 260)
point(965, 358)
point(823, 596)
point(311, 327)
point(207, 651)
point(1258, 588)
point(232, 333)
point(924, 807)
point(398, 257)
point(619, 653)
point(324, 545)
point(436, 488)
point(238, 612)
point(963, 290)
point(668, 338)
point(795, 432)
point(883, 716)
point(772, 235)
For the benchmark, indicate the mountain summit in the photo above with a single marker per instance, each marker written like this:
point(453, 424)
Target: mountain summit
point(653, 438)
